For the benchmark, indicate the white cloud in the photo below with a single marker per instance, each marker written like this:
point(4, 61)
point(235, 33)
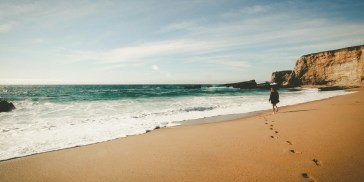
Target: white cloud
point(184, 25)
point(5, 27)
point(250, 10)
point(239, 36)
point(13, 9)
point(45, 13)
point(235, 61)
point(107, 68)
point(149, 50)
point(236, 39)
point(37, 81)
point(235, 64)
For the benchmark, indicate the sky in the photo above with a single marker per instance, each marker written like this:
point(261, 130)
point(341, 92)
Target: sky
point(166, 41)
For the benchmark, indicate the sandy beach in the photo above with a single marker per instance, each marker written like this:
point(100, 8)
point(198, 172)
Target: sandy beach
point(316, 141)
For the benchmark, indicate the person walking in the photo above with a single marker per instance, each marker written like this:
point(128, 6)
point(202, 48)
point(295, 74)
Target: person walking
point(274, 98)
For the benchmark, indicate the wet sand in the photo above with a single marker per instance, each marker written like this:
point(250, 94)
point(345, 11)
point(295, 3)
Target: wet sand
point(316, 141)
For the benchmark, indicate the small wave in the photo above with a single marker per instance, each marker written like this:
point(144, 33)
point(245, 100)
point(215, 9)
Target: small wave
point(222, 87)
point(56, 125)
point(173, 111)
point(190, 109)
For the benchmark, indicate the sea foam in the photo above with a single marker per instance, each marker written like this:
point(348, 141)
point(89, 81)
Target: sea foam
point(40, 125)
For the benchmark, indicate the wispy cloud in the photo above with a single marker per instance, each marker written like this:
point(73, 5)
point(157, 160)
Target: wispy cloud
point(139, 52)
point(235, 64)
point(17, 81)
point(184, 25)
point(247, 11)
point(48, 13)
point(13, 9)
point(232, 36)
point(124, 37)
point(6, 27)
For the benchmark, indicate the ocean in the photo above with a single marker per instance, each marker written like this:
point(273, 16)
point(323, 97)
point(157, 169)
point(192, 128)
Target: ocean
point(52, 117)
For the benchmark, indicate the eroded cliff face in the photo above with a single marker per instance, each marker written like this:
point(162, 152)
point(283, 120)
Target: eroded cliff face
point(342, 67)
point(281, 77)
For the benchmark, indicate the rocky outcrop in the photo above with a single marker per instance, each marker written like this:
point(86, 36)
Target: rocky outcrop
point(6, 106)
point(342, 67)
point(281, 77)
point(193, 87)
point(334, 88)
point(265, 85)
point(243, 85)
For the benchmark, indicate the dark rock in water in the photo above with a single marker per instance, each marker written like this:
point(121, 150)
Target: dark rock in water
point(294, 89)
point(265, 85)
point(6, 106)
point(193, 87)
point(335, 88)
point(243, 85)
point(281, 77)
point(331, 88)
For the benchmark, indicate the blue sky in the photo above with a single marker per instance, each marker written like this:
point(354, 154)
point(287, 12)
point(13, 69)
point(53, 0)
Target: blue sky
point(148, 42)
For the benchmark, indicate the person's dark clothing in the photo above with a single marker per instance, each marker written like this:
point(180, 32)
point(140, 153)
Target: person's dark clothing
point(274, 97)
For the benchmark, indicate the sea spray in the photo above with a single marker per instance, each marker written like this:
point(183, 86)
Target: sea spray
point(55, 117)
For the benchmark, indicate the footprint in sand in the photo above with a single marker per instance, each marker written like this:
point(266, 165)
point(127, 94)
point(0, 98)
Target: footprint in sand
point(307, 177)
point(273, 136)
point(276, 132)
point(271, 125)
point(289, 142)
point(266, 123)
point(317, 162)
point(272, 121)
point(271, 128)
point(295, 152)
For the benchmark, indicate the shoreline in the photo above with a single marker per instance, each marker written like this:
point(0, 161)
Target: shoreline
point(231, 117)
point(199, 121)
point(236, 150)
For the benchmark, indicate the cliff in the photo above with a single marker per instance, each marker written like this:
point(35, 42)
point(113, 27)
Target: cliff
point(281, 77)
point(342, 67)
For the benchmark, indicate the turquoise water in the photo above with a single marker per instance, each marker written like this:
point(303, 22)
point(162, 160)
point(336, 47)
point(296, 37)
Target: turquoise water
point(72, 93)
point(54, 117)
